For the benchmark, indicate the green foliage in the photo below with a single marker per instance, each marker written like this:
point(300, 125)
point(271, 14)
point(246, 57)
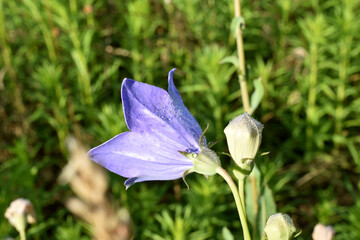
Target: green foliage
point(259, 202)
point(348, 229)
point(180, 227)
point(61, 66)
point(69, 230)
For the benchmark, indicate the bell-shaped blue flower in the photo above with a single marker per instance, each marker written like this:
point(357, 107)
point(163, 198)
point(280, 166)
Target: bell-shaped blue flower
point(164, 138)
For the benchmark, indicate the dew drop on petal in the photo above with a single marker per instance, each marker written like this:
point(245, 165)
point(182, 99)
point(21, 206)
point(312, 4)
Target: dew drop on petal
point(150, 128)
point(157, 144)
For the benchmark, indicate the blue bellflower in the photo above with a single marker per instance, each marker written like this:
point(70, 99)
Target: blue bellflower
point(165, 141)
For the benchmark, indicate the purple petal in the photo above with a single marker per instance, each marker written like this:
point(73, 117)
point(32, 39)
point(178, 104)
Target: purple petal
point(150, 109)
point(187, 119)
point(141, 157)
point(160, 126)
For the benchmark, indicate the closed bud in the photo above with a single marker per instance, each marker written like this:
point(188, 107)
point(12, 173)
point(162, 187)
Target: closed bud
point(19, 213)
point(243, 135)
point(322, 232)
point(279, 227)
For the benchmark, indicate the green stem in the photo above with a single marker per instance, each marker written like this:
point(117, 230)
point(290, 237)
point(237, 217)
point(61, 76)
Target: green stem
point(22, 235)
point(242, 193)
point(241, 60)
point(239, 203)
point(255, 196)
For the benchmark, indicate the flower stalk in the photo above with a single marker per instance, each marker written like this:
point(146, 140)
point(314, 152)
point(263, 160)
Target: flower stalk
point(240, 204)
point(241, 60)
point(242, 192)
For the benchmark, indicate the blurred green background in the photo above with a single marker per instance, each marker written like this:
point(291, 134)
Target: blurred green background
point(61, 67)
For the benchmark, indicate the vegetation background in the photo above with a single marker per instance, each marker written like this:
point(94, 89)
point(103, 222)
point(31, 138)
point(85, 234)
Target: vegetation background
point(61, 67)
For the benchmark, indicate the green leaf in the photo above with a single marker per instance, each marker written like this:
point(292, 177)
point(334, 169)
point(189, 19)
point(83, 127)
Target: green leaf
point(106, 75)
point(258, 210)
point(237, 23)
point(87, 41)
point(269, 201)
point(261, 219)
point(230, 59)
point(267, 208)
point(252, 188)
point(227, 235)
point(257, 95)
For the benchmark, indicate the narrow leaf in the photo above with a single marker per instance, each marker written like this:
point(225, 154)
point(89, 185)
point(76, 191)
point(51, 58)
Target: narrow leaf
point(257, 95)
point(227, 235)
point(237, 23)
point(230, 59)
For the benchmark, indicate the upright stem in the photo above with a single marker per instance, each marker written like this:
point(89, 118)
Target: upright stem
point(254, 193)
point(22, 235)
point(241, 60)
point(239, 204)
point(242, 193)
point(239, 39)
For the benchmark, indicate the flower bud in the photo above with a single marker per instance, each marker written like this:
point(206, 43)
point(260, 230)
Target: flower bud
point(20, 212)
point(243, 135)
point(322, 232)
point(279, 227)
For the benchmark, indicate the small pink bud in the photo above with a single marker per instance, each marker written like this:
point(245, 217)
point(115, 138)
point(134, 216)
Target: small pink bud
point(20, 207)
point(322, 232)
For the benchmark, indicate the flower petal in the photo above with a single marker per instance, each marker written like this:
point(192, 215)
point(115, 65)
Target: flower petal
point(187, 119)
point(141, 157)
point(150, 109)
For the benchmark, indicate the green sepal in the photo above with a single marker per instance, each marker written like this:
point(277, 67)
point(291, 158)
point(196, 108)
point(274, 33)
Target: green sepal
point(185, 174)
point(245, 168)
point(202, 137)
